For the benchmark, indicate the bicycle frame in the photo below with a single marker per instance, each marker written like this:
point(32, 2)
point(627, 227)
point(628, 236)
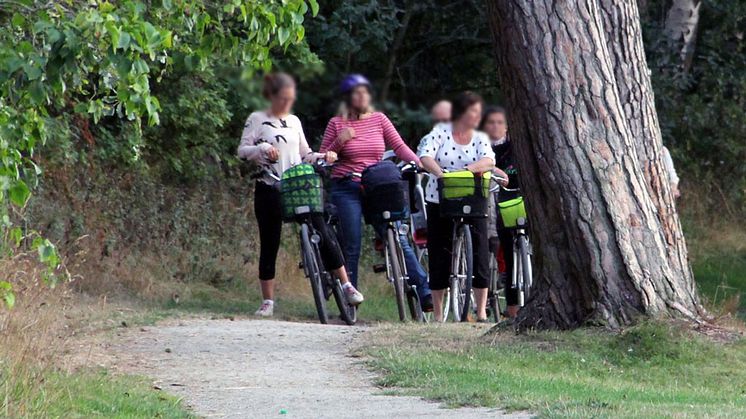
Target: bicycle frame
point(520, 274)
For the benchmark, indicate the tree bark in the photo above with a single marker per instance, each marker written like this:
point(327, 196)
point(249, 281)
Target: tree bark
point(601, 255)
point(623, 31)
point(681, 28)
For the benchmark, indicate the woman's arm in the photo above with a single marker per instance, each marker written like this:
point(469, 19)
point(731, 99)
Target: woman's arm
point(331, 141)
point(432, 167)
point(485, 164)
point(428, 150)
point(394, 141)
point(248, 148)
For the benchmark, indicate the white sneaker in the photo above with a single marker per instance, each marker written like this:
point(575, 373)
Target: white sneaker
point(267, 309)
point(354, 297)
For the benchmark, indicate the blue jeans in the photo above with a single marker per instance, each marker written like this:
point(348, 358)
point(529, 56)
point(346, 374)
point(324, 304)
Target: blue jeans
point(346, 195)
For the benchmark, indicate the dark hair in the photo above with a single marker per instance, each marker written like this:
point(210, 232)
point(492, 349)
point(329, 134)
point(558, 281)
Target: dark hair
point(274, 82)
point(462, 102)
point(491, 110)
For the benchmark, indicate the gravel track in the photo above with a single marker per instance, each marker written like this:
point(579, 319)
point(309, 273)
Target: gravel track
point(267, 368)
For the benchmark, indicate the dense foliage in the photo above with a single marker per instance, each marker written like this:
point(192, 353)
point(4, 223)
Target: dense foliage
point(81, 60)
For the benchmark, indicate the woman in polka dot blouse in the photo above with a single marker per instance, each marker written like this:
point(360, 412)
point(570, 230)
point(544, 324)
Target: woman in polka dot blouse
point(456, 146)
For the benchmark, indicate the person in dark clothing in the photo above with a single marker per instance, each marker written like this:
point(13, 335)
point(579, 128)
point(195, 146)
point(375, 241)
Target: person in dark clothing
point(495, 124)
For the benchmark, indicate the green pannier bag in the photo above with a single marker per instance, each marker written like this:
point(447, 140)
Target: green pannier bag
point(464, 195)
point(511, 211)
point(462, 184)
point(302, 192)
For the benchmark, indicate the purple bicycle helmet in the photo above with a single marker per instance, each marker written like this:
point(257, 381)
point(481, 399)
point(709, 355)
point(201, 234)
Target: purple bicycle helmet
point(352, 81)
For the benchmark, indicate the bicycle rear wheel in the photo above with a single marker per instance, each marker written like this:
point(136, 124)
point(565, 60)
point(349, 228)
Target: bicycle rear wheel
point(347, 312)
point(493, 300)
point(312, 266)
point(396, 271)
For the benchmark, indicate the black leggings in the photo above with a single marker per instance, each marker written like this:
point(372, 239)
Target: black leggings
point(439, 244)
point(505, 236)
point(268, 210)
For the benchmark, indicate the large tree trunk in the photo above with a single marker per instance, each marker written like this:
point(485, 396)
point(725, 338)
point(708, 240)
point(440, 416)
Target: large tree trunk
point(621, 24)
point(602, 255)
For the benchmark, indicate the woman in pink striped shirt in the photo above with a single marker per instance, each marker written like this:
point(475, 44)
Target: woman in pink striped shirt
point(359, 136)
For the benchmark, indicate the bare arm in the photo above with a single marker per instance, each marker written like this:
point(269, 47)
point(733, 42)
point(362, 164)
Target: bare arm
point(485, 164)
point(432, 167)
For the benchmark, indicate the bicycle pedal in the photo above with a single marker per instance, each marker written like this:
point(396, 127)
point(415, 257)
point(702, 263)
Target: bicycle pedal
point(379, 268)
point(300, 265)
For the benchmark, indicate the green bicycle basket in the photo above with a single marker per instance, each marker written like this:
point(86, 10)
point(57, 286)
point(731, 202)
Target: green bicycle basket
point(302, 192)
point(511, 211)
point(463, 194)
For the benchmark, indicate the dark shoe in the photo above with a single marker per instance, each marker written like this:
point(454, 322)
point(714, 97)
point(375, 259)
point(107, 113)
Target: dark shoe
point(427, 304)
point(486, 320)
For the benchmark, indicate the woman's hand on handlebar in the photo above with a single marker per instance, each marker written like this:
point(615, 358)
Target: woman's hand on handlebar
point(330, 157)
point(502, 177)
point(431, 166)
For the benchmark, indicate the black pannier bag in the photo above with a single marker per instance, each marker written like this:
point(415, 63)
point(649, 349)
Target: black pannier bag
point(384, 193)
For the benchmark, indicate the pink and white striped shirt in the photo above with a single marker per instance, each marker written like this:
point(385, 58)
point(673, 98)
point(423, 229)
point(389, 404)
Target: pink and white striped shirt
point(373, 135)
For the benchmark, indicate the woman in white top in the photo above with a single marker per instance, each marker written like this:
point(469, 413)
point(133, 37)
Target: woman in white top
point(456, 146)
point(274, 139)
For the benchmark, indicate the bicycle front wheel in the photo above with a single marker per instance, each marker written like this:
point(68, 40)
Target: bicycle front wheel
point(525, 255)
point(465, 291)
point(396, 271)
point(461, 274)
point(312, 266)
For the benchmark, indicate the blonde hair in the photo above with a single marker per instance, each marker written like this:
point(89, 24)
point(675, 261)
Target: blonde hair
point(344, 111)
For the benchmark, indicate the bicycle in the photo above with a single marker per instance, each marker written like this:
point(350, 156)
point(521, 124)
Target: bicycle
point(513, 216)
point(461, 208)
point(417, 213)
point(395, 266)
point(323, 283)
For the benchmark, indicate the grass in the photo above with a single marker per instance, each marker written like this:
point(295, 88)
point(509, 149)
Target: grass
point(92, 394)
point(293, 294)
point(650, 370)
point(719, 265)
point(40, 361)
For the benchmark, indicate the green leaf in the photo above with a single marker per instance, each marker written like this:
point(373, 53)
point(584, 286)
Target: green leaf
point(32, 72)
point(48, 253)
point(283, 34)
point(314, 7)
point(124, 41)
point(18, 20)
point(6, 292)
point(19, 193)
point(37, 92)
point(16, 235)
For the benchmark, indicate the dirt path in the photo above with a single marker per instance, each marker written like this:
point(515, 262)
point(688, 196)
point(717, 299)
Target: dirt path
point(260, 369)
